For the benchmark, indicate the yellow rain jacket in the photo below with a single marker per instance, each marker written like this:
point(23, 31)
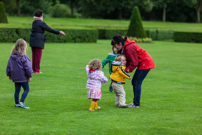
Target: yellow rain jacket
point(119, 74)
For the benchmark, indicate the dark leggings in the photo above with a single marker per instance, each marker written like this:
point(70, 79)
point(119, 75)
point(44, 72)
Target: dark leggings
point(25, 86)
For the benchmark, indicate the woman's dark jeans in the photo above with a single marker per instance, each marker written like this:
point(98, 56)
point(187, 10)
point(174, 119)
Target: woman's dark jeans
point(137, 83)
point(25, 86)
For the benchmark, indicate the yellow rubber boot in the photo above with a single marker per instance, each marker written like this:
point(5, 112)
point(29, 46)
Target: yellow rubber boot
point(92, 106)
point(96, 107)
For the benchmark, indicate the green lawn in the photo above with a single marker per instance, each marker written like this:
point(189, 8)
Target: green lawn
point(170, 102)
point(100, 23)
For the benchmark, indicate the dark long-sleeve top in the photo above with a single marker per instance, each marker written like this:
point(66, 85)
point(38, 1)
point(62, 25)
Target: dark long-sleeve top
point(37, 37)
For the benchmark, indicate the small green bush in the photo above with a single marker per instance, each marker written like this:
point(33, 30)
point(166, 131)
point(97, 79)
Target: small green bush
point(140, 40)
point(135, 28)
point(147, 40)
point(60, 11)
point(3, 17)
point(195, 37)
point(72, 35)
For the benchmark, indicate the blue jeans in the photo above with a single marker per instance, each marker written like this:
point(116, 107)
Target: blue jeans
point(25, 86)
point(137, 84)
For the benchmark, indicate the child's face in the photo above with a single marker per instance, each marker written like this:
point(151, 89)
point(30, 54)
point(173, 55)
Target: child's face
point(123, 60)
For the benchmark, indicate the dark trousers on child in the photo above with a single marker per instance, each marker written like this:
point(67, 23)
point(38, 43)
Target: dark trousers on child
point(18, 86)
point(36, 58)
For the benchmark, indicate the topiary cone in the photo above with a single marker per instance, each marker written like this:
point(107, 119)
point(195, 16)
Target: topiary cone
point(135, 28)
point(3, 17)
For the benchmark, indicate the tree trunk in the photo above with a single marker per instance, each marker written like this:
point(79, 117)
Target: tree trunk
point(164, 14)
point(120, 14)
point(152, 15)
point(18, 7)
point(72, 7)
point(198, 15)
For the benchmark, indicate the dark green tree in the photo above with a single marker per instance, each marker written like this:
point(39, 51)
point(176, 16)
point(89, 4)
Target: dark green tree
point(112, 9)
point(197, 5)
point(135, 28)
point(3, 17)
point(162, 4)
point(28, 7)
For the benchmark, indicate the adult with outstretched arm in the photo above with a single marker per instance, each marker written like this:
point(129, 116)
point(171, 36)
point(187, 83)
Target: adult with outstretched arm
point(37, 39)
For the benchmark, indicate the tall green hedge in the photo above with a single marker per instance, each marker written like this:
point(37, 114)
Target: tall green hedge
point(195, 37)
point(72, 35)
point(165, 34)
point(151, 33)
point(91, 35)
point(109, 33)
point(135, 28)
point(3, 17)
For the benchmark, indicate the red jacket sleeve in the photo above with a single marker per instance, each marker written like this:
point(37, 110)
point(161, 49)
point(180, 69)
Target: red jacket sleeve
point(131, 57)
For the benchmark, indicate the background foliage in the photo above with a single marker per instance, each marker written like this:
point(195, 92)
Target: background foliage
point(106, 29)
point(160, 10)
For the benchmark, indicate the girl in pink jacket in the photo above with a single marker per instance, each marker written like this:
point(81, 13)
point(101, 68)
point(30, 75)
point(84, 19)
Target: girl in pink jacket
point(95, 79)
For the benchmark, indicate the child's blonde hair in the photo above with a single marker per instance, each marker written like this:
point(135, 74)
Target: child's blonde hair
point(118, 58)
point(95, 64)
point(20, 47)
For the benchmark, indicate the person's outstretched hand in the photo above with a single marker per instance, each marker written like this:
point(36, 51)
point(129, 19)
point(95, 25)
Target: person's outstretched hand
point(10, 78)
point(62, 33)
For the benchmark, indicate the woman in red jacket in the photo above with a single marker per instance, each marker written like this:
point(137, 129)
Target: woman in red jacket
point(136, 58)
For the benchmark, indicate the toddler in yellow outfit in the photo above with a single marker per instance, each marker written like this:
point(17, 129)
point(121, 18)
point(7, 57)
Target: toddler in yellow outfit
point(118, 78)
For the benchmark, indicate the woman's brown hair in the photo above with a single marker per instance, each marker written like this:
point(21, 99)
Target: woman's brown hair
point(38, 13)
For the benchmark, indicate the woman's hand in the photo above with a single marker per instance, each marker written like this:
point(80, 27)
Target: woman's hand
point(62, 33)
